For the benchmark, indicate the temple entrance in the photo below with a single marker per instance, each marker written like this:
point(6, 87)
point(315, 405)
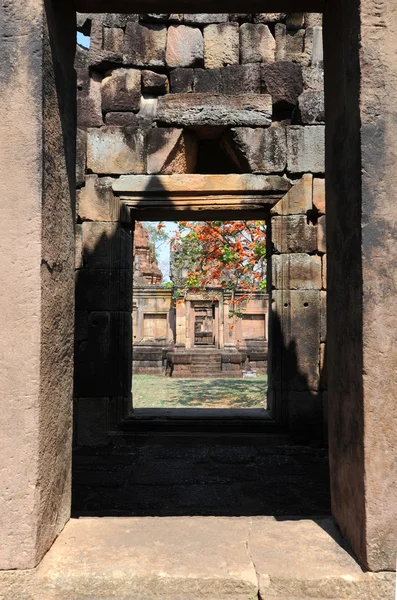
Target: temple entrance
point(204, 321)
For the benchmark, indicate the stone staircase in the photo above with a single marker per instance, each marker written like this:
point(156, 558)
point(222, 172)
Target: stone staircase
point(204, 363)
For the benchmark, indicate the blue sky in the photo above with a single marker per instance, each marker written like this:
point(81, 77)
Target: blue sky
point(164, 250)
point(83, 40)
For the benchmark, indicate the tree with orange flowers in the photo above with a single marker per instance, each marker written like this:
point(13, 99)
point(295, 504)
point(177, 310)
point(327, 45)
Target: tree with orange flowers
point(227, 254)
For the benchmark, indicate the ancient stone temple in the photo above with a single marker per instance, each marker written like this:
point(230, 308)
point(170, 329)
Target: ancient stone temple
point(220, 115)
point(145, 268)
point(168, 333)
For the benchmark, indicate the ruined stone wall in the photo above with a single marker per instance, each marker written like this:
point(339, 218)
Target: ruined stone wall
point(146, 269)
point(170, 94)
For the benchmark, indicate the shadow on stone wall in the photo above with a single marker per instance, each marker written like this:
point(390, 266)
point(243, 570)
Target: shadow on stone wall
point(297, 386)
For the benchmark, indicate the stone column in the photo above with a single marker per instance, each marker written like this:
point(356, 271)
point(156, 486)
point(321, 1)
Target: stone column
point(361, 157)
point(221, 323)
point(188, 318)
point(296, 280)
point(37, 184)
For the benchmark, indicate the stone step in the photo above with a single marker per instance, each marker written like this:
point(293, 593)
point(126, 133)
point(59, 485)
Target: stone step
point(205, 368)
point(206, 359)
point(198, 558)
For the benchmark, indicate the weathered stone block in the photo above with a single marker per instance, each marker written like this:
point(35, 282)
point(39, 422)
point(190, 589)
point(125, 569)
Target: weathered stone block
point(241, 79)
point(207, 81)
point(309, 37)
point(299, 199)
point(175, 18)
point(144, 46)
point(81, 156)
point(267, 17)
point(171, 151)
point(257, 44)
point(97, 201)
point(185, 46)
point(311, 105)
point(89, 104)
point(99, 58)
point(323, 312)
point(112, 150)
point(205, 18)
point(321, 235)
point(122, 119)
point(121, 91)
point(235, 79)
point(113, 39)
point(319, 194)
point(306, 149)
point(283, 81)
point(293, 234)
point(313, 19)
point(280, 32)
point(181, 81)
point(155, 83)
point(198, 109)
point(296, 272)
point(260, 150)
point(296, 338)
point(221, 45)
point(295, 41)
point(106, 246)
point(313, 78)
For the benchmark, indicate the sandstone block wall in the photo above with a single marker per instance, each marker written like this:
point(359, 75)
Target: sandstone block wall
point(169, 94)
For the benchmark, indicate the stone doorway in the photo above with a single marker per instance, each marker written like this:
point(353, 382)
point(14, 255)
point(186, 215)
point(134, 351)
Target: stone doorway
point(362, 290)
point(204, 323)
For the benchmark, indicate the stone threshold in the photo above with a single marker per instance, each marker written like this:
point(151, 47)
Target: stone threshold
point(197, 558)
point(201, 422)
point(202, 413)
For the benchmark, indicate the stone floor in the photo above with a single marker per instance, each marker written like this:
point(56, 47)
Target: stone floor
point(197, 558)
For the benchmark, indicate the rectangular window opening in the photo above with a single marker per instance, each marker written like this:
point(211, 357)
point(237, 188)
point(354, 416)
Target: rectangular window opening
point(200, 316)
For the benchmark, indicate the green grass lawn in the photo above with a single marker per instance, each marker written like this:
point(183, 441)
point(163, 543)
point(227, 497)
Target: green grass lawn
point(165, 392)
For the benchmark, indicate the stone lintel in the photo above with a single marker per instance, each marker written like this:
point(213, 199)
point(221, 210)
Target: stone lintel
point(163, 185)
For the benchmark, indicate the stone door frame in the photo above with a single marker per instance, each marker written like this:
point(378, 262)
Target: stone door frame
point(37, 132)
point(247, 196)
